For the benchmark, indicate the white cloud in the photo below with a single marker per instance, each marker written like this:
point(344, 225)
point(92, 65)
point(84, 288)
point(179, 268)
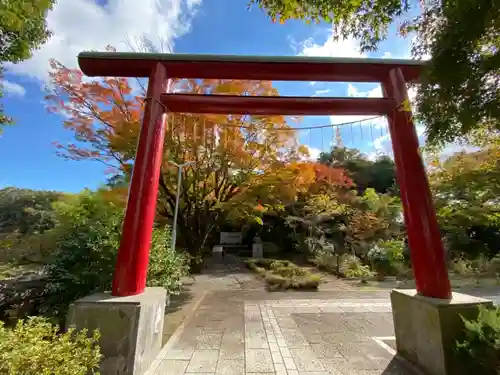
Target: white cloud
point(354, 92)
point(321, 92)
point(331, 48)
point(82, 25)
point(313, 153)
point(192, 4)
point(12, 88)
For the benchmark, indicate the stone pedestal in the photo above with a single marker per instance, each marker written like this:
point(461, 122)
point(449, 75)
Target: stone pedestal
point(131, 328)
point(217, 252)
point(427, 328)
point(257, 250)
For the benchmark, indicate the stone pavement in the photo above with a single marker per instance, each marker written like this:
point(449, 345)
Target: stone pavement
point(247, 331)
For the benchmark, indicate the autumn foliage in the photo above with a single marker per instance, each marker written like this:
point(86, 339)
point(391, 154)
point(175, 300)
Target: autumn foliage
point(238, 160)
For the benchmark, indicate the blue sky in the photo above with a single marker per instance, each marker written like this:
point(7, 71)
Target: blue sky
point(27, 156)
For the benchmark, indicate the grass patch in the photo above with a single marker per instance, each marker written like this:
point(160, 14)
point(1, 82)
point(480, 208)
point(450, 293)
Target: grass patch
point(283, 274)
point(10, 270)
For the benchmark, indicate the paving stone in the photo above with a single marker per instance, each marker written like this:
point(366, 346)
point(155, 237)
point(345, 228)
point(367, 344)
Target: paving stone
point(258, 360)
point(336, 365)
point(256, 340)
point(203, 361)
point(209, 340)
point(280, 369)
point(250, 332)
point(230, 367)
point(236, 351)
point(232, 346)
point(273, 346)
point(289, 363)
point(171, 367)
point(295, 340)
point(285, 352)
point(184, 354)
point(277, 358)
point(281, 342)
point(365, 355)
point(326, 350)
point(305, 359)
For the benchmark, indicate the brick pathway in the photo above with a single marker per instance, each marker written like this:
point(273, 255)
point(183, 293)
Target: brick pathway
point(248, 332)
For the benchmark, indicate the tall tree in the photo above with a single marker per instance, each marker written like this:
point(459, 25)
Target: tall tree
point(237, 160)
point(379, 174)
point(26, 211)
point(365, 20)
point(466, 190)
point(460, 89)
point(22, 29)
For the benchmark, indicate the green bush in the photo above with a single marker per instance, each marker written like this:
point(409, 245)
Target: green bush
point(386, 257)
point(268, 263)
point(394, 250)
point(283, 274)
point(166, 267)
point(462, 267)
point(379, 260)
point(85, 256)
point(307, 281)
point(480, 349)
point(34, 346)
point(494, 266)
point(353, 268)
point(327, 261)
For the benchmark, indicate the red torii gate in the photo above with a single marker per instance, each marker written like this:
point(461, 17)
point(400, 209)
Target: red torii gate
point(427, 252)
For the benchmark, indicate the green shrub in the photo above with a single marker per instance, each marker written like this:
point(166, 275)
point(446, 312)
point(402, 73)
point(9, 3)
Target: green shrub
point(386, 257)
point(327, 261)
point(480, 265)
point(394, 250)
point(286, 269)
point(353, 268)
point(480, 349)
point(462, 267)
point(283, 274)
point(85, 256)
point(379, 260)
point(34, 346)
point(307, 281)
point(494, 266)
point(166, 267)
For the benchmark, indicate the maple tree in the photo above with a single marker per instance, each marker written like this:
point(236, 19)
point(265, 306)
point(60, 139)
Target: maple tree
point(466, 190)
point(239, 161)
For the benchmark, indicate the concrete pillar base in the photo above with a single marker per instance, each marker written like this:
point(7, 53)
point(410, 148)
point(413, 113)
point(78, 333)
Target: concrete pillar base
point(218, 252)
point(131, 328)
point(257, 250)
point(427, 328)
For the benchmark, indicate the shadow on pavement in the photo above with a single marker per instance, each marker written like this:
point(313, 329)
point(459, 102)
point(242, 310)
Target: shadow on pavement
point(399, 366)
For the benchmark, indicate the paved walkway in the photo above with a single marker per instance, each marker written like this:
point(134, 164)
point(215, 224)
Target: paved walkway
point(238, 328)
